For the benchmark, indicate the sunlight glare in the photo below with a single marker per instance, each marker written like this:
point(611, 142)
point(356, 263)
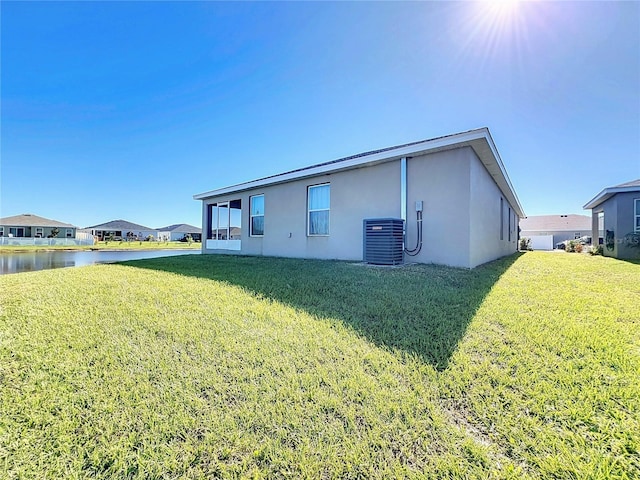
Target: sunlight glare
point(501, 10)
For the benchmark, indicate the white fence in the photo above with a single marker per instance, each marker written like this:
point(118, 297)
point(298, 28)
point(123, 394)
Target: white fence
point(81, 239)
point(541, 242)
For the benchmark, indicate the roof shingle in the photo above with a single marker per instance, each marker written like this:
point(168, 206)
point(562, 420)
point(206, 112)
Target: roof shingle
point(31, 220)
point(119, 225)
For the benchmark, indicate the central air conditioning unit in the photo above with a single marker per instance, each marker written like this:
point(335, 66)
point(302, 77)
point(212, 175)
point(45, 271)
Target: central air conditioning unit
point(383, 241)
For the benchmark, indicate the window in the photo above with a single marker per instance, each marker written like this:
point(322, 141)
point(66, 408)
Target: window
point(509, 223)
point(501, 218)
point(1, 231)
point(319, 199)
point(576, 235)
point(69, 233)
point(637, 215)
point(257, 216)
point(39, 232)
point(16, 232)
point(224, 225)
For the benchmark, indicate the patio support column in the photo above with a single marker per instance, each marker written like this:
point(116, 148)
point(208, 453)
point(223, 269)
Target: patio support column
point(595, 228)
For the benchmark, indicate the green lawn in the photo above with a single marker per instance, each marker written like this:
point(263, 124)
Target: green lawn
point(237, 367)
point(115, 245)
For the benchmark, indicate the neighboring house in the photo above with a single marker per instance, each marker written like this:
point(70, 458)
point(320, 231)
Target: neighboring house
point(29, 225)
point(178, 232)
point(549, 230)
point(469, 210)
point(121, 230)
point(619, 208)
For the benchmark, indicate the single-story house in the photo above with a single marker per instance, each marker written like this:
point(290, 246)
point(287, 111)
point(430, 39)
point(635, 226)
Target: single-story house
point(446, 200)
point(547, 231)
point(178, 232)
point(29, 225)
point(618, 208)
point(121, 230)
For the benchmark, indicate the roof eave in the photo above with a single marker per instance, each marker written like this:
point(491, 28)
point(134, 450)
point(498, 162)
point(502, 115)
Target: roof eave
point(428, 146)
point(606, 194)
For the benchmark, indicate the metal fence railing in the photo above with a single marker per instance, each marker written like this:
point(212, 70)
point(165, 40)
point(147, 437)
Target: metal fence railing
point(81, 239)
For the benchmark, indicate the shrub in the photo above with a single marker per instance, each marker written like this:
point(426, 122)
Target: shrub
point(595, 250)
point(525, 243)
point(570, 246)
point(578, 247)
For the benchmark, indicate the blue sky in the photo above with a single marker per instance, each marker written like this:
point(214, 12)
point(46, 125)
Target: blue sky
point(125, 110)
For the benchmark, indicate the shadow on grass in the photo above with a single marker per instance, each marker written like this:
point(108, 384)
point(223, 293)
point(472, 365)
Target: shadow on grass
point(423, 310)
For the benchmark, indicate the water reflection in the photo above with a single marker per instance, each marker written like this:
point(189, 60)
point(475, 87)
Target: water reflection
point(32, 261)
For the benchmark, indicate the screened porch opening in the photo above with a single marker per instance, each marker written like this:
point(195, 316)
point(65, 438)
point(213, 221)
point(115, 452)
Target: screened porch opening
point(224, 228)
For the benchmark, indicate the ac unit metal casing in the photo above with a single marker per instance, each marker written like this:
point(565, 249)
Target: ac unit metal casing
point(383, 241)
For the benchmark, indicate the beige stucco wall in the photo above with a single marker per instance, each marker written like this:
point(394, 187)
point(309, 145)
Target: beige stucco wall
point(441, 181)
point(461, 205)
point(355, 195)
point(485, 243)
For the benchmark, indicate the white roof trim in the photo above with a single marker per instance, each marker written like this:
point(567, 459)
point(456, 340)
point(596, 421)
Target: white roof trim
point(606, 194)
point(458, 140)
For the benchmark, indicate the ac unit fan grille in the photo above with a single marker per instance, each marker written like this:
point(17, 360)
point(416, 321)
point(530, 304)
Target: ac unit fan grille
point(383, 241)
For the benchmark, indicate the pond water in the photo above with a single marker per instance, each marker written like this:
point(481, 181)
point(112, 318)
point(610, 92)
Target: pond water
point(32, 261)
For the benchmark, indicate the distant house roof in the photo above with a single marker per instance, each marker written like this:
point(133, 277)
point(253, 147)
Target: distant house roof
point(120, 225)
point(607, 193)
point(555, 223)
point(180, 228)
point(479, 140)
point(31, 220)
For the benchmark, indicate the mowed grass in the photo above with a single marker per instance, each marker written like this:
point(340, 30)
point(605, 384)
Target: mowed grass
point(238, 367)
point(114, 245)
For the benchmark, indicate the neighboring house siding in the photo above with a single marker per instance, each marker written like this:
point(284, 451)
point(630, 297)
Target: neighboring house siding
point(558, 237)
point(619, 217)
point(21, 231)
point(559, 227)
point(617, 206)
point(174, 236)
point(571, 235)
point(610, 208)
point(102, 234)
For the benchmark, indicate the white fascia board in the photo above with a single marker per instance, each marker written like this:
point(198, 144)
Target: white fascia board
point(598, 199)
point(504, 183)
point(388, 155)
point(606, 194)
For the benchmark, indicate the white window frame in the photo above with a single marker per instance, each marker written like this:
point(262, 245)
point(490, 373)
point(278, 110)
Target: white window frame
point(309, 211)
point(252, 216)
point(1, 231)
point(636, 216)
point(39, 231)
